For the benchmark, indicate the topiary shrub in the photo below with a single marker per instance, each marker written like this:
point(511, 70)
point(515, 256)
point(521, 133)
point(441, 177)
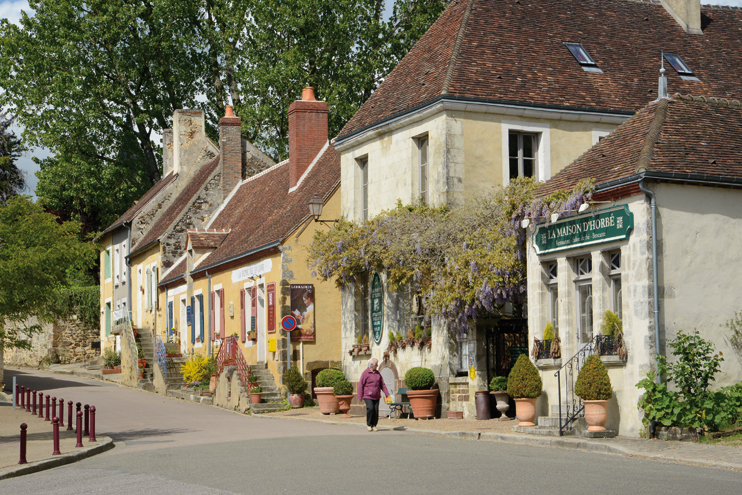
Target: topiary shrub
point(419, 379)
point(524, 382)
point(549, 332)
point(329, 377)
point(499, 383)
point(611, 324)
point(593, 382)
point(294, 381)
point(343, 387)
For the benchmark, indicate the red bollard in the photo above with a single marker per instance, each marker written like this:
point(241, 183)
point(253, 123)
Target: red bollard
point(48, 406)
point(17, 394)
point(92, 425)
point(87, 420)
point(23, 396)
point(61, 412)
point(79, 411)
point(69, 416)
point(79, 429)
point(33, 392)
point(28, 400)
point(55, 425)
point(41, 405)
point(23, 444)
point(54, 407)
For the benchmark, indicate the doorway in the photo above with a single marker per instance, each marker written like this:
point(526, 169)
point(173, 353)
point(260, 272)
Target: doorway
point(262, 334)
point(183, 325)
point(505, 340)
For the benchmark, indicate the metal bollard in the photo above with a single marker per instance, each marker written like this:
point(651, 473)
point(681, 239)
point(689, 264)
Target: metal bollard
point(17, 394)
point(48, 406)
point(79, 411)
point(23, 444)
point(28, 400)
point(33, 392)
point(61, 412)
point(69, 416)
point(23, 396)
point(54, 407)
point(79, 429)
point(55, 425)
point(92, 425)
point(41, 405)
point(86, 432)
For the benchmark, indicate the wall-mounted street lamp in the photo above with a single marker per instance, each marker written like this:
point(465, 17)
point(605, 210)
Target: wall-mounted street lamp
point(315, 209)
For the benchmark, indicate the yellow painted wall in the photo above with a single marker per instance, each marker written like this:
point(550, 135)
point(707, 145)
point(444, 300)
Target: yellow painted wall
point(106, 289)
point(143, 317)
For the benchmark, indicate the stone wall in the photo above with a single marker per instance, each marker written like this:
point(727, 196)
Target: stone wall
point(66, 341)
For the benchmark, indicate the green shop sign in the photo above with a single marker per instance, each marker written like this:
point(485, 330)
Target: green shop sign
point(611, 224)
point(377, 307)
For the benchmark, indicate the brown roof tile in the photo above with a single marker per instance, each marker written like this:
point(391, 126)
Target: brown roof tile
point(138, 205)
point(512, 51)
point(207, 238)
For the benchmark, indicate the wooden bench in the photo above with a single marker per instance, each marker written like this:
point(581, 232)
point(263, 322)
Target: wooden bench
point(400, 406)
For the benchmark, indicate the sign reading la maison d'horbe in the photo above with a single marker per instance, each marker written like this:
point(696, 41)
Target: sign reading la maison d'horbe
point(611, 224)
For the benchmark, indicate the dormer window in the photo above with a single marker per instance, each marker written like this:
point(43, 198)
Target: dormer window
point(585, 60)
point(677, 63)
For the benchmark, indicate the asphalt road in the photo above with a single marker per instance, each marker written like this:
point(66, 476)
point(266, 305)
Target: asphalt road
point(168, 446)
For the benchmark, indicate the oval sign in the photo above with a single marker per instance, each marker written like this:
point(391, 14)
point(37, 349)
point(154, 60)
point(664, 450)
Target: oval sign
point(288, 323)
point(377, 307)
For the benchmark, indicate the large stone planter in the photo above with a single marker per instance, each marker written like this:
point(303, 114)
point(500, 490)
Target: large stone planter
point(344, 404)
point(596, 414)
point(328, 404)
point(423, 402)
point(296, 400)
point(503, 401)
point(525, 410)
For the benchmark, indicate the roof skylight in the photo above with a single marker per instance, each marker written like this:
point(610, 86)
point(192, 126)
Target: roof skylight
point(680, 67)
point(580, 54)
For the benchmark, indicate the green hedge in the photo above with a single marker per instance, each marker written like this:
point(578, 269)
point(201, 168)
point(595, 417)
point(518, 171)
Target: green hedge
point(329, 377)
point(419, 379)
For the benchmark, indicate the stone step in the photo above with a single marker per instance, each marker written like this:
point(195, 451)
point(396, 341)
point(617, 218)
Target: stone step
point(267, 407)
point(538, 430)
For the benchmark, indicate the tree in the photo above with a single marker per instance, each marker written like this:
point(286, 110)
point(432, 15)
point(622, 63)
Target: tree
point(12, 180)
point(36, 254)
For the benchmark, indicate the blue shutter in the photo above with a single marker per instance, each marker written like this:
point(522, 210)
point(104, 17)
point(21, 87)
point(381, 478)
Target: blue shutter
point(192, 322)
point(170, 320)
point(201, 314)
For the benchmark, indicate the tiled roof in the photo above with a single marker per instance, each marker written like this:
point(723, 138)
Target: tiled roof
point(684, 136)
point(138, 205)
point(175, 273)
point(184, 198)
point(207, 238)
point(512, 51)
point(262, 211)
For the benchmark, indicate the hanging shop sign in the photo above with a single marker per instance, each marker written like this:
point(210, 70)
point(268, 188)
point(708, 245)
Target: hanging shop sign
point(302, 308)
point(377, 307)
point(611, 224)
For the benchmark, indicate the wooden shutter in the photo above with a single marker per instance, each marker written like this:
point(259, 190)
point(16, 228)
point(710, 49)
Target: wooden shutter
point(201, 315)
point(170, 319)
point(223, 330)
point(154, 288)
point(147, 299)
point(212, 330)
point(253, 308)
point(242, 316)
point(193, 321)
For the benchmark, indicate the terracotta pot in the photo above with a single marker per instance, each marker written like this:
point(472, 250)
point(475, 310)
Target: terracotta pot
point(344, 404)
point(296, 400)
point(525, 410)
point(255, 398)
point(423, 402)
point(503, 401)
point(142, 363)
point(212, 384)
point(596, 414)
point(328, 404)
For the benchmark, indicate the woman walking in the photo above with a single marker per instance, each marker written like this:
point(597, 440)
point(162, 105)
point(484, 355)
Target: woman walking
point(369, 390)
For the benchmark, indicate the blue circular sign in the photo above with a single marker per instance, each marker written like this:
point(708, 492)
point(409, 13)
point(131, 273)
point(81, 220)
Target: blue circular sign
point(288, 323)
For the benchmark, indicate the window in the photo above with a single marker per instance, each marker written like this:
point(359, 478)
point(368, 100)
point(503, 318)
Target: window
point(422, 153)
point(615, 278)
point(677, 63)
point(153, 289)
point(553, 290)
point(219, 308)
point(584, 292)
point(198, 317)
point(522, 153)
point(585, 60)
point(123, 263)
point(363, 166)
point(107, 264)
point(108, 319)
point(116, 266)
point(170, 318)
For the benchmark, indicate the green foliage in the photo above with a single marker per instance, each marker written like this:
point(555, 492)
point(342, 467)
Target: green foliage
point(294, 381)
point(735, 329)
point(524, 381)
point(329, 377)
point(419, 378)
point(343, 387)
point(499, 383)
point(252, 378)
point(693, 404)
point(392, 338)
point(419, 332)
point(593, 382)
point(611, 324)
point(12, 181)
point(36, 254)
point(549, 331)
point(197, 369)
point(256, 390)
point(111, 358)
point(81, 301)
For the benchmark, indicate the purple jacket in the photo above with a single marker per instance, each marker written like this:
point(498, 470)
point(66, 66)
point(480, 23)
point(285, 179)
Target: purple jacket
point(370, 385)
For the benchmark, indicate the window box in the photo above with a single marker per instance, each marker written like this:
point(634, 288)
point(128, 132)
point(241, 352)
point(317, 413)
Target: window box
point(549, 363)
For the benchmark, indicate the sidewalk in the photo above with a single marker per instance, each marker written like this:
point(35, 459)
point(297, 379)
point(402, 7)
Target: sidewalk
point(81, 371)
point(40, 445)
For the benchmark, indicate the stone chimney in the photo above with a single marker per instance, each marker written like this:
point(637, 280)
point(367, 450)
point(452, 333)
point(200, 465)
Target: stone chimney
point(167, 151)
point(188, 129)
point(230, 146)
point(307, 133)
point(687, 13)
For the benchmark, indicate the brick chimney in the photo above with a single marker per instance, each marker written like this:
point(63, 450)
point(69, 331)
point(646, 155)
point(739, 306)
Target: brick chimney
point(307, 133)
point(687, 13)
point(167, 151)
point(230, 145)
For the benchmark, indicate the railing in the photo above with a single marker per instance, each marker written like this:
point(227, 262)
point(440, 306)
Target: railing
point(230, 355)
point(573, 405)
point(160, 353)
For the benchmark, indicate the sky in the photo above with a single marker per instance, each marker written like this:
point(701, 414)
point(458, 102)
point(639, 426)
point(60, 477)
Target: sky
point(11, 10)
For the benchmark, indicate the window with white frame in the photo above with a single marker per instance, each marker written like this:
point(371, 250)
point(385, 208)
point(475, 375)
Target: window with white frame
point(116, 266)
point(422, 160)
point(363, 169)
point(584, 298)
point(553, 290)
point(522, 153)
point(123, 263)
point(614, 263)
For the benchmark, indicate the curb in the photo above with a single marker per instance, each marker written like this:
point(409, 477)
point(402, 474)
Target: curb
point(104, 444)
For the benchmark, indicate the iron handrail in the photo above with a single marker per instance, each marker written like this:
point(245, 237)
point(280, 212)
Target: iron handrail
point(230, 354)
point(574, 405)
point(160, 353)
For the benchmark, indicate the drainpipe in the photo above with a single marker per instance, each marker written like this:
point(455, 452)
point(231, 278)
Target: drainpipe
point(208, 305)
point(128, 271)
point(653, 203)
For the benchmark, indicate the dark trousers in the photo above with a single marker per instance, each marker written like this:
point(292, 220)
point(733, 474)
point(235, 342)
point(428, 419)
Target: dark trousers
point(372, 411)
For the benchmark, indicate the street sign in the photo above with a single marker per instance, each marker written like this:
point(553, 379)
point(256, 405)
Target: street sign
point(610, 224)
point(377, 307)
point(288, 323)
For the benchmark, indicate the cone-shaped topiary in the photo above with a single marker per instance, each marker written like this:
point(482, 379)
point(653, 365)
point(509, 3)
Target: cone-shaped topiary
point(611, 324)
point(524, 382)
point(294, 381)
point(329, 377)
point(419, 379)
point(343, 387)
point(499, 383)
point(549, 332)
point(593, 382)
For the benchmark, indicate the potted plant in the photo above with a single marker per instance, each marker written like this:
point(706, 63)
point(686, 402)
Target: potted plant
point(421, 393)
point(252, 335)
point(499, 388)
point(142, 362)
point(364, 344)
point(524, 386)
point(343, 391)
point(593, 386)
point(611, 342)
point(297, 385)
point(326, 381)
point(255, 393)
